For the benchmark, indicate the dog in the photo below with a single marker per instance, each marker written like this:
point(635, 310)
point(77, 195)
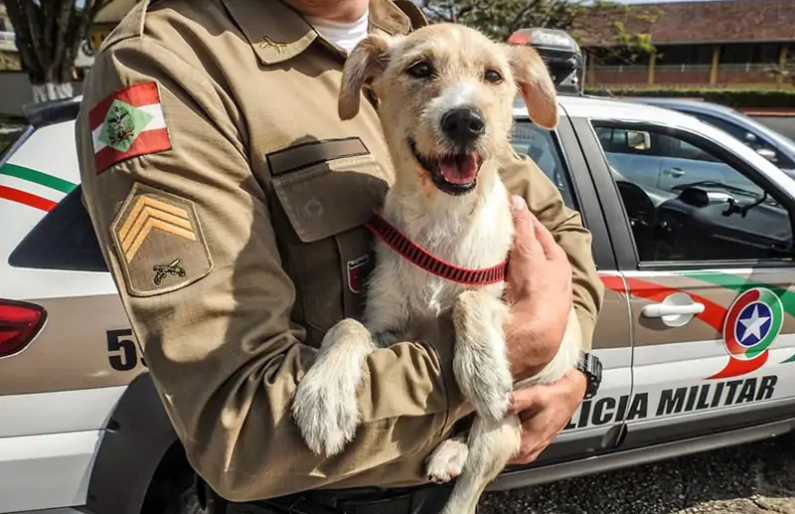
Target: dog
point(444, 95)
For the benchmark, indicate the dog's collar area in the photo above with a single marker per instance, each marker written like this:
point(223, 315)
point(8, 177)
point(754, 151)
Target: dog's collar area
point(414, 253)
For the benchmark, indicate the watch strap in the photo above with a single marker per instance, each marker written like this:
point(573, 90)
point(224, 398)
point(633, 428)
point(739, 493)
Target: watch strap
point(590, 365)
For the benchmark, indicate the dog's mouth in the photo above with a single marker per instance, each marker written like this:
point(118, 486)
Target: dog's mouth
point(454, 174)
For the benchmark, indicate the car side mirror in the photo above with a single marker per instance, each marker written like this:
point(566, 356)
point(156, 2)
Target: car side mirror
point(638, 140)
point(768, 154)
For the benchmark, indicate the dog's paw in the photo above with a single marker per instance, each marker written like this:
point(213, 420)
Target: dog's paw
point(447, 461)
point(325, 405)
point(326, 412)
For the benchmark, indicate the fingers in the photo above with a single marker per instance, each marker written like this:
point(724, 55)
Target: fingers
point(552, 250)
point(524, 234)
point(523, 400)
point(528, 230)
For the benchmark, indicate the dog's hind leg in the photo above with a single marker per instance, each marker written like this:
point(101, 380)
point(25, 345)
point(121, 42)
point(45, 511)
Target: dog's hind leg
point(491, 445)
point(480, 363)
point(325, 407)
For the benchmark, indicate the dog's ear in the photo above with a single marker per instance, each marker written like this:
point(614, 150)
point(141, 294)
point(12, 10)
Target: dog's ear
point(534, 84)
point(366, 61)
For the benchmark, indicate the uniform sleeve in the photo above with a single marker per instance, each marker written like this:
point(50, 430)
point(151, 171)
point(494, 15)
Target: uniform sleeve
point(186, 232)
point(523, 177)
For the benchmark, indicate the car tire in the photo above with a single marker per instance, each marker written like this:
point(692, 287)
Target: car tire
point(177, 496)
point(185, 503)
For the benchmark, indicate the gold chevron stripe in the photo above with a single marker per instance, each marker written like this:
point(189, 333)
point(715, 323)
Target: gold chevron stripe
point(143, 202)
point(150, 224)
point(148, 214)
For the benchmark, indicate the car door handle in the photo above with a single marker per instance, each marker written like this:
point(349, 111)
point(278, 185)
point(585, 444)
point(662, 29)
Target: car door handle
point(675, 310)
point(658, 310)
point(675, 172)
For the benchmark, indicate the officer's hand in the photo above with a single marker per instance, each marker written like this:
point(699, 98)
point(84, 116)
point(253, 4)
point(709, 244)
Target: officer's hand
point(539, 289)
point(545, 410)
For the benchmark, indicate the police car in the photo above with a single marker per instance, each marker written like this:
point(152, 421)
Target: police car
point(692, 236)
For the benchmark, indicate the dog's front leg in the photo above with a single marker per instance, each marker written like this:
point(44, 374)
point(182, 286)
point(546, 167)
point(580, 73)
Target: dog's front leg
point(325, 406)
point(480, 364)
point(491, 445)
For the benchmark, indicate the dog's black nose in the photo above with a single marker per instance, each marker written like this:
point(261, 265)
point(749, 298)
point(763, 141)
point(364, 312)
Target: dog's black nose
point(463, 124)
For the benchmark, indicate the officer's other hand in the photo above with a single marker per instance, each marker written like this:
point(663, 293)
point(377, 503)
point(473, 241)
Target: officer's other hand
point(539, 288)
point(544, 411)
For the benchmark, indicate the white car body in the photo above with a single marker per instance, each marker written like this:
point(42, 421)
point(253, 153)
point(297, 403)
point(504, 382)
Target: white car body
point(61, 396)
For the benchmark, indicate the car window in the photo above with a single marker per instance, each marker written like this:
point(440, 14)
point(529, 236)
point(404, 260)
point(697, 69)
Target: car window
point(542, 146)
point(684, 208)
point(626, 140)
point(63, 240)
point(752, 140)
point(8, 136)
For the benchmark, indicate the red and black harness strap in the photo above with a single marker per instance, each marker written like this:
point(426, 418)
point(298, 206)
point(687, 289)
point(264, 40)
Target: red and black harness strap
point(412, 252)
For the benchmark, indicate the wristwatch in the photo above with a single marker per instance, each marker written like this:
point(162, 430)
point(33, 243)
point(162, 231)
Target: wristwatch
point(591, 367)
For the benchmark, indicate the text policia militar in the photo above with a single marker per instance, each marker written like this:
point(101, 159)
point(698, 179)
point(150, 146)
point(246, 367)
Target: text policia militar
point(700, 397)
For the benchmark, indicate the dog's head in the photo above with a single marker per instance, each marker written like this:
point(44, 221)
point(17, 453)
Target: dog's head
point(445, 96)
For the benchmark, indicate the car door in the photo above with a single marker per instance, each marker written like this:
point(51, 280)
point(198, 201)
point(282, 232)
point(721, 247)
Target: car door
point(709, 272)
point(629, 151)
point(684, 163)
point(596, 426)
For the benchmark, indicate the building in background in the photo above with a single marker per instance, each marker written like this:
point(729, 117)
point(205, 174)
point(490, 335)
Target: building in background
point(9, 57)
point(107, 18)
point(715, 44)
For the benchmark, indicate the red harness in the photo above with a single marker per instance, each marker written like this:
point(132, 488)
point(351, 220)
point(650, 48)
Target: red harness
point(419, 256)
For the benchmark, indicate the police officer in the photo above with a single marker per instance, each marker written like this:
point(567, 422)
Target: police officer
point(229, 199)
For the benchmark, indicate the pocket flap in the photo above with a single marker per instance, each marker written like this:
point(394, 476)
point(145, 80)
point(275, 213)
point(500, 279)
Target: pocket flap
point(321, 201)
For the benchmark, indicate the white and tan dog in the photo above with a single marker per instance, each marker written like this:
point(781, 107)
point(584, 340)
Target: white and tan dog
point(445, 95)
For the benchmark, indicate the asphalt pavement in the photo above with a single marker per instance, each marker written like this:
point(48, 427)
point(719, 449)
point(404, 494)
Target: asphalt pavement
point(757, 478)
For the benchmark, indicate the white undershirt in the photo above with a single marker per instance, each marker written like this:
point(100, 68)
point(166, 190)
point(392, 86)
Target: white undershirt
point(344, 35)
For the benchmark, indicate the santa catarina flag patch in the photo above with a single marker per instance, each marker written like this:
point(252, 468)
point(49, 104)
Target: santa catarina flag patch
point(128, 123)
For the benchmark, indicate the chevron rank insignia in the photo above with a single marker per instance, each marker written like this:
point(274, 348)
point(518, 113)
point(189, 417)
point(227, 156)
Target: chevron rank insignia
point(159, 242)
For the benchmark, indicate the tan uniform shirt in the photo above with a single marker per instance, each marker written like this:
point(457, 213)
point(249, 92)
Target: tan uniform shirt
point(229, 199)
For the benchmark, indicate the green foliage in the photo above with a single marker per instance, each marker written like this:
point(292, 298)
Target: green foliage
point(737, 98)
point(619, 29)
point(500, 18)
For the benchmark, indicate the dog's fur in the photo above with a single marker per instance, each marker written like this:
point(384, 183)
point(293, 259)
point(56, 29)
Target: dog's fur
point(472, 229)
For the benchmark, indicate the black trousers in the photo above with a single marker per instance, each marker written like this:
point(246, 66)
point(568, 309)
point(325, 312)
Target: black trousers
point(428, 499)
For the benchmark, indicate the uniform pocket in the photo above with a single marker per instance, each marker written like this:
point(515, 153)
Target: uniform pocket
point(327, 250)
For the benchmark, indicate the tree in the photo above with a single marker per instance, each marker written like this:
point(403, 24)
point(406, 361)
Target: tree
point(500, 18)
point(49, 34)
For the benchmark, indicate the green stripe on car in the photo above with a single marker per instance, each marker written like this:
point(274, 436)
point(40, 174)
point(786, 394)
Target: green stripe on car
point(740, 284)
point(37, 177)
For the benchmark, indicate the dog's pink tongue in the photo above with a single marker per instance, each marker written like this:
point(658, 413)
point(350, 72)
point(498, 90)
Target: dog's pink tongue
point(461, 169)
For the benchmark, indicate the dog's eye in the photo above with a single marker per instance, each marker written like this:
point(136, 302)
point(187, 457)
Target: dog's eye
point(420, 70)
point(493, 76)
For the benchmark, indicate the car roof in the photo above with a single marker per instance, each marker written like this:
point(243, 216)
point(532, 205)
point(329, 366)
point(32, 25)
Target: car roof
point(695, 105)
point(600, 107)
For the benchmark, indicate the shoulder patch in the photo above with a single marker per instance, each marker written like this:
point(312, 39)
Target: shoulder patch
point(159, 242)
point(128, 123)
